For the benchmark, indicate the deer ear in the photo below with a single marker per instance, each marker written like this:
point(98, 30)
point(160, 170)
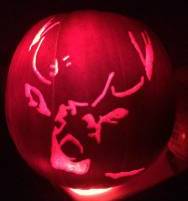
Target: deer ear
point(115, 115)
point(40, 103)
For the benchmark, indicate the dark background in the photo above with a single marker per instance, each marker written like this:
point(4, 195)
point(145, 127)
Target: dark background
point(168, 19)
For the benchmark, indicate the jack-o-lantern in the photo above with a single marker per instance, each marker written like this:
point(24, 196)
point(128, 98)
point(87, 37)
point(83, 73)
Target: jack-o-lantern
point(88, 100)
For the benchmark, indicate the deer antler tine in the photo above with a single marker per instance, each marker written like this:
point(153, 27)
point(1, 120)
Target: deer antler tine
point(129, 91)
point(147, 61)
point(103, 93)
point(144, 37)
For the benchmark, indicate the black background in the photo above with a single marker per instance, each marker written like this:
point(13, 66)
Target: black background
point(168, 19)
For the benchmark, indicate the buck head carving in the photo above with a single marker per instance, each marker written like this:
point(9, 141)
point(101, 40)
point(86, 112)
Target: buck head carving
point(92, 99)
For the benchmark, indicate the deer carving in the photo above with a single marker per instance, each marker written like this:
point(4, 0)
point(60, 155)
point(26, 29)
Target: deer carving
point(58, 159)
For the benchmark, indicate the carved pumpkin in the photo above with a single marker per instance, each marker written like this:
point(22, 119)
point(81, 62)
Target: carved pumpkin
point(88, 99)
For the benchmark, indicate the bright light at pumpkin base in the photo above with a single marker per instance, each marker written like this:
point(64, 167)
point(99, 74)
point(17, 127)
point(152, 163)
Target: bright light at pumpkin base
point(90, 192)
point(95, 194)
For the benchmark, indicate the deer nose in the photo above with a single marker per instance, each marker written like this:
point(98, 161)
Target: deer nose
point(71, 147)
point(62, 161)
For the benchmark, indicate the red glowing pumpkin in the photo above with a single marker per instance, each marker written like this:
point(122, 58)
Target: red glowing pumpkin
point(88, 99)
point(178, 143)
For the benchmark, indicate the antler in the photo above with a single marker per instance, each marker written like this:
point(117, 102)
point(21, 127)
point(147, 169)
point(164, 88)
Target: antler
point(104, 91)
point(147, 61)
point(39, 38)
point(130, 91)
point(43, 31)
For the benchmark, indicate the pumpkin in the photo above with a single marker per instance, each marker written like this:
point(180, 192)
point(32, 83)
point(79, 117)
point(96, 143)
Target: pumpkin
point(178, 143)
point(89, 99)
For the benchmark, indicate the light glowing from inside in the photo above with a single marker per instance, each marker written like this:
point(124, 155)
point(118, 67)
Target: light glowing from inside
point(101, 96)
point(112, 117)
point(73, 104)
point(130, 91)
point(42, 31)
point(65, 59)
point(90, 192)
point(54, 68)
point(34, 64)
point(183, 136)
point(148, 60)
point(59, 160)
point(124, 174)
point(39, 38)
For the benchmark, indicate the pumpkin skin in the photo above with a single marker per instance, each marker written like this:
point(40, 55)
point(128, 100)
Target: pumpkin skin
point(178, 143)
point(89, 99)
